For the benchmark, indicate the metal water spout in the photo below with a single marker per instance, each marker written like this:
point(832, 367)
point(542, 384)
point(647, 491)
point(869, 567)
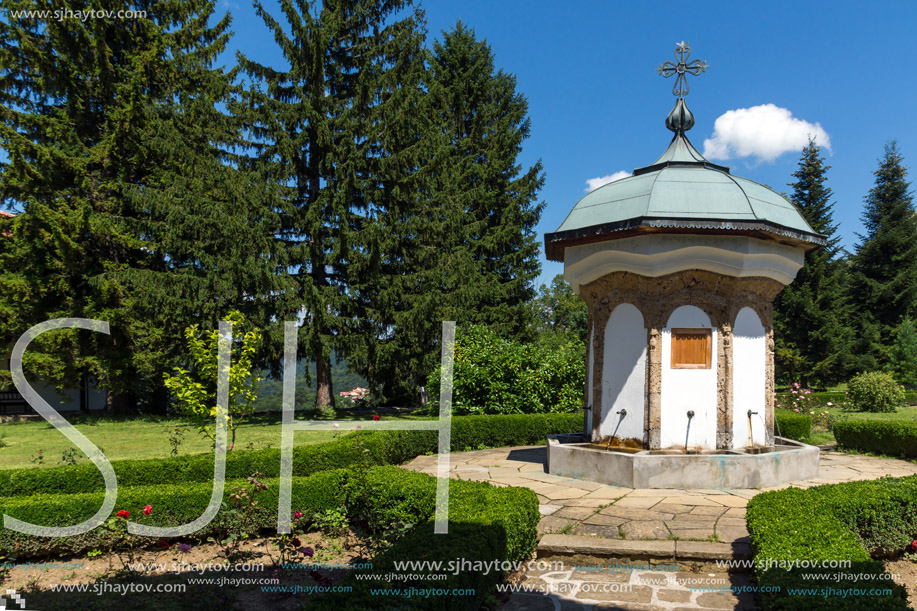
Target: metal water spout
point(751, 435)
point(621, 413)
point(688, 430)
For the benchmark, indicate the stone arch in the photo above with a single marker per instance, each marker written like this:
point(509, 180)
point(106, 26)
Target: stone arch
point(623, 377)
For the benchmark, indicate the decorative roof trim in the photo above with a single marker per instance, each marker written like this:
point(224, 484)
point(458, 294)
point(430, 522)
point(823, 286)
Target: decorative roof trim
point(557, 241)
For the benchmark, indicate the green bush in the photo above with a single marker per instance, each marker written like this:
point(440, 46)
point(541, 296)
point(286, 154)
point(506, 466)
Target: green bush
point(486, 523)
point(792, 425)
point(849, 521)
point(878, 436)
point(385, 448)
point(875, 392)
point(498, 376)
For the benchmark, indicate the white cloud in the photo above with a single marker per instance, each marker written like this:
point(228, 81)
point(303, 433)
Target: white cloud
point(594, 183)
point(764, 132)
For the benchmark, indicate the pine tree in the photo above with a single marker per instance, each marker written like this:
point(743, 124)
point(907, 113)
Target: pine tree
point(903, 358)
point(483, 123)
point(883, 282)
point(110, 131)
point(812, 339)
point(315, 128)
point(456, 224)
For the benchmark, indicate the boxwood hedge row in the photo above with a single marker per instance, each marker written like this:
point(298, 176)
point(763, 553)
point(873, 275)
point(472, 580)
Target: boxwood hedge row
point(384, 448)
point(878, 436)
point(395, 496)
point(853, 521)
point(792, 425)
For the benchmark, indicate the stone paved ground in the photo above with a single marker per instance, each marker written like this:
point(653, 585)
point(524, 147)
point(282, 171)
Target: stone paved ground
point(580, 507)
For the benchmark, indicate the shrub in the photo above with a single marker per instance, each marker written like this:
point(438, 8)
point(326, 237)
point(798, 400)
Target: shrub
point(878, 436)
point(486, 523)
point(846, 521)
point(385, 448)
point(498, 376)
point(792, 425)
point(875, 392)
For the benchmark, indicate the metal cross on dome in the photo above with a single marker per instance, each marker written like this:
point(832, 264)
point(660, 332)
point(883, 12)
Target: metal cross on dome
point(683, 68)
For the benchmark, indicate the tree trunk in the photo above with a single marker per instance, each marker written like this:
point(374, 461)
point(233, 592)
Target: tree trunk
point(118, 404)
point(324, 393)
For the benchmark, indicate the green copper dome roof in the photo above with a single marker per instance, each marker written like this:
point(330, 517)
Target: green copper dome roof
point(681, 191)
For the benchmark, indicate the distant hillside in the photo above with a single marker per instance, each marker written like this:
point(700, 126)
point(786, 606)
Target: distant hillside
point(270, 392)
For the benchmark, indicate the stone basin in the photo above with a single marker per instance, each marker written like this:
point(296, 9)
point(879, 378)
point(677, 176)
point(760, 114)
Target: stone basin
point(755, 467)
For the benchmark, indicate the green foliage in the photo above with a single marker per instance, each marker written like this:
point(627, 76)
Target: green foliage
point(114, 144)
point(195, 391)
point(792, 425)
point(812, 339)
point(878, 437)
point(384, 448)
point(498, 376)
point(485, 523)
point(846, 521)
point(902, 362)
point(875, 392)
point(454, 224)
point(557, 309)
point(883, 279)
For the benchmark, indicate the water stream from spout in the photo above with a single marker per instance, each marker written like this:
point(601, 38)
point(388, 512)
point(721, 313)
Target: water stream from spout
point(621, 415)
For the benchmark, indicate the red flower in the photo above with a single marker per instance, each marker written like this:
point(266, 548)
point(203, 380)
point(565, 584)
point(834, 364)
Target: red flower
point(123, 514)
point(17, 543)
point(298, 514)
point(163, 544)
point(147, 510)
point(376, 417)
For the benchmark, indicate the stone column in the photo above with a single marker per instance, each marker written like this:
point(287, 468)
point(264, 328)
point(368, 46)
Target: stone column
point(724, 403)
point(654, 385)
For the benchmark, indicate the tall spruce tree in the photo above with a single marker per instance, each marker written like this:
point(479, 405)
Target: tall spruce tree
point(811, 335)
point(883, 280)
point(456, 227)
point(315, 129)
point(111, 131)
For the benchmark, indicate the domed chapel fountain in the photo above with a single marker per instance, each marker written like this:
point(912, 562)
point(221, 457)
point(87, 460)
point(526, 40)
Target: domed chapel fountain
point(679, 265)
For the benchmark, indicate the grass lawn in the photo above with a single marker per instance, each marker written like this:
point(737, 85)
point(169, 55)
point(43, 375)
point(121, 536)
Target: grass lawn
point(137, 438)
point(821, 436)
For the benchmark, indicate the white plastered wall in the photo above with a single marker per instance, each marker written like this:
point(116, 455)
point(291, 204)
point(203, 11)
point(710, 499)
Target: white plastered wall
point(748, 378)
point(624, 374)
point(688, 389)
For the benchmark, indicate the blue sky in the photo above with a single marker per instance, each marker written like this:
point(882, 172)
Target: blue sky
point(598, 107)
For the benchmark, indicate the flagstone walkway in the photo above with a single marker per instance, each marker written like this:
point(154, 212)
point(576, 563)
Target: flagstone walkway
point(593, 511)
point(587, 508)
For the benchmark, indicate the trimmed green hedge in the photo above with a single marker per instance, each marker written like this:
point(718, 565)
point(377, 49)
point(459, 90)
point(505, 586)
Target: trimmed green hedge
point(485, 524)
point(837, 398)
point(878, 436)
point(792, 425)
point(848, 521)
point(385, 448)
point(394, 496)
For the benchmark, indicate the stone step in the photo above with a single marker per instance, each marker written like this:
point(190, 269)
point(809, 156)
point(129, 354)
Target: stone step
point(699, 551)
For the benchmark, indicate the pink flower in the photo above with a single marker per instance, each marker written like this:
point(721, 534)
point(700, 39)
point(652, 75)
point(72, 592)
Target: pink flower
point(796, 410)
point(336, 425)
point(298, 514)
point(123, 514)
point(359, 427)
point(147, 510)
